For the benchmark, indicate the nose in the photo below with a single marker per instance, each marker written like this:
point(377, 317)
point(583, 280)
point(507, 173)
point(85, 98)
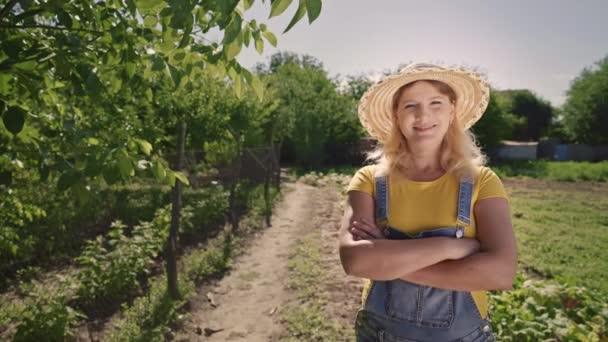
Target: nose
point(423, 111)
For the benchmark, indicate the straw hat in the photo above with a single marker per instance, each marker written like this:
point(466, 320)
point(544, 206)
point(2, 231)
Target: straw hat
point(472, 92)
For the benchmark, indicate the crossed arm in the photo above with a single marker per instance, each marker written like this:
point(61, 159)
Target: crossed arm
point(449, 263)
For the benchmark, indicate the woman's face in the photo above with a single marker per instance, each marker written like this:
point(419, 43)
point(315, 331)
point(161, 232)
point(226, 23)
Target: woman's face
point(424, 114)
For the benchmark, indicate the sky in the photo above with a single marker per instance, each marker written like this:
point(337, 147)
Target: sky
point(539, 45)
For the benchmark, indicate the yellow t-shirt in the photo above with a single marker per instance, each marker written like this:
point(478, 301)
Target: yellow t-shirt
point(418, 206)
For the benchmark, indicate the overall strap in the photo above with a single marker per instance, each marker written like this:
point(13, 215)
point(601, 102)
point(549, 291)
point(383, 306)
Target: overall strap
point(465, 195)
point(382, 202)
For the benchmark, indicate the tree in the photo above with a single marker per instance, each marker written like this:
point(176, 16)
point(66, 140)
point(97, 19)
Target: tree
point(356, 86)
point(536, 113)
point(325, 125)
point(585, 113)
point(63, 63)
point(495, 125)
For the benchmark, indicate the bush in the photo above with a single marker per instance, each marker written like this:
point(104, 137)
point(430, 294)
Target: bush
point(539, 310)
point(111, 265)
point(46, 317)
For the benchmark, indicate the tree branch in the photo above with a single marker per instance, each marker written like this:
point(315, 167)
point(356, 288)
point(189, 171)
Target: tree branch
point(7, 8)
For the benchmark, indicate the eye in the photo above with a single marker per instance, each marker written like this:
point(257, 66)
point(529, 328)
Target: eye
point(409, 106)
point(436, 103)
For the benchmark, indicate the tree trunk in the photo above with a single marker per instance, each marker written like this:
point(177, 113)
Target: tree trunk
point(176, 205)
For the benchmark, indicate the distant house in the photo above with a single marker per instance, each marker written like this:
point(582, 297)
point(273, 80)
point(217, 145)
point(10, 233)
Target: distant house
point(516, 150)
point(529, 150)
point(550, 150)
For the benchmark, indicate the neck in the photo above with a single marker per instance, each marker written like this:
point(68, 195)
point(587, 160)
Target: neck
point(425, 160)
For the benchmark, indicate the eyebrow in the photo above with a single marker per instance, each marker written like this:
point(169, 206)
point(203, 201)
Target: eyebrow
point(432, 98)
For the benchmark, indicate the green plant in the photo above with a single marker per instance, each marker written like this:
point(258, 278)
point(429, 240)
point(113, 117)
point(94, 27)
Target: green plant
point(111, 265)
point(537, 310)
point(47, 316)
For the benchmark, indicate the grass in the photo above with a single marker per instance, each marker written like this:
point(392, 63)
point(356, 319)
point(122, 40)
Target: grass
point(563, 233)
point(563, 171)
point(567, 171)
point(307, 320)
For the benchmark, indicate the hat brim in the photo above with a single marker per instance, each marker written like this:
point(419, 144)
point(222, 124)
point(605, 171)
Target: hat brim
point(375, 108)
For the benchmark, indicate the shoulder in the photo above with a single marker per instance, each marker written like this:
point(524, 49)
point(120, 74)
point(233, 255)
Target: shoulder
point(363, 179)
point(368, 171)
point(485, 173)
point(488, 183)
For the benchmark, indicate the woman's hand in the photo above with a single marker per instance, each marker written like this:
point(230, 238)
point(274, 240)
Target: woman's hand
point(364, 230)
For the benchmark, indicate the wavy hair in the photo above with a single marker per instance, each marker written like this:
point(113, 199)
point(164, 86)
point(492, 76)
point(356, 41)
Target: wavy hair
point(459, 153)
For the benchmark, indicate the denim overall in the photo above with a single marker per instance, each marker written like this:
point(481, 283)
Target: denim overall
point(397, 310)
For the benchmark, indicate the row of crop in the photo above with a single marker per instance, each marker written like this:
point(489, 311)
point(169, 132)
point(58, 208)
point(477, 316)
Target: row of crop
point(111, 269)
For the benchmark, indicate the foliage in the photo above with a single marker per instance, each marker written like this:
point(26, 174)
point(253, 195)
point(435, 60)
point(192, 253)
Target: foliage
point(66, 69)
point(148, 318)
point(586, 108)
point(111, 266)
point(323, 123)
point(357, 85)
point(495, 125)
point(534, 112)
point(47, 316)
point(561, 230)
point(538, 310)
point(207, 207)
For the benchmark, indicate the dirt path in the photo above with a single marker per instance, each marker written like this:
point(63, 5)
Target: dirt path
point(249, 299)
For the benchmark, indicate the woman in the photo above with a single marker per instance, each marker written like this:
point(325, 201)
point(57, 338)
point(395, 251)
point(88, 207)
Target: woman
point(429, 225)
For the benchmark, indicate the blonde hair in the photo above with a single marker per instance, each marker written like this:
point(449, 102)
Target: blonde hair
point(459, 152)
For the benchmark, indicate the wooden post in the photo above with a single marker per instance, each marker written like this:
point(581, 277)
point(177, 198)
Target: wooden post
point(176, 205)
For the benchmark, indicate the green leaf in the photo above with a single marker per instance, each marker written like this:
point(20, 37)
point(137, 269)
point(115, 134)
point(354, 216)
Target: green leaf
point(313, 8)
point(182, 177)
point(93, 166)
point(179, 56)
point(158, 170)
point(258, 87)
point(233, 29)
point(150, 21)
point(246, 36)
point(149, 95)
point(144, 146)
point(297, 16)
point(125, 166)
point(270, 37)
point(176, 74)
point(14, 119)
point(238, 85)
point(232, 50)
point(278, 7)
point(130, 68)
point(227, 6)
point(111, 174)
point(149, 5)
point(132, 7)
point(259, 45)
point(26, 66)
point(93, 141)
point(66, 180)
point(170, 178)
point(247, 4)
point(93, 85)
point(5, 87)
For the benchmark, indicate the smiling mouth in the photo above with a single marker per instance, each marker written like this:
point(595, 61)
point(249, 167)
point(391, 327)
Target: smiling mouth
point(424, 128)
